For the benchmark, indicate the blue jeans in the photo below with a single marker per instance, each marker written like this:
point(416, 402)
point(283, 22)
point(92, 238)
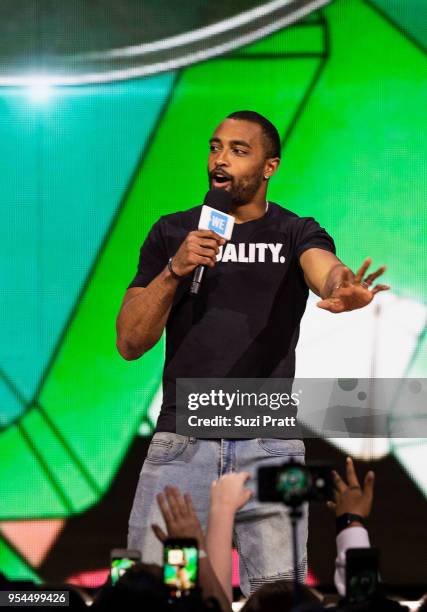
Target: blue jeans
point(262, 531)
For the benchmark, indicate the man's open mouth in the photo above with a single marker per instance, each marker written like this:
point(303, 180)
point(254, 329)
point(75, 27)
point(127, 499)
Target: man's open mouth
point(220, 180)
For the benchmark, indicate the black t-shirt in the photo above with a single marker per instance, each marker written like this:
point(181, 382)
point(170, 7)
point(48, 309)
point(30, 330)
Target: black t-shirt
point(245, 321)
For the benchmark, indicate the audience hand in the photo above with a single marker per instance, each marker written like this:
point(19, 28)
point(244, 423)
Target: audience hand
point(350, 497)
point(229, 492)
point(180, 517)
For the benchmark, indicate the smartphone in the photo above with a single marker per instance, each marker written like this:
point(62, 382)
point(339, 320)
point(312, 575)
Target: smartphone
point(294, 483)
point(181, 566)
point(361, 574)
point(121, 560)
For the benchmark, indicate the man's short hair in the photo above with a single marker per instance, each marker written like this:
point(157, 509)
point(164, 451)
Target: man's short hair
point(271, 135)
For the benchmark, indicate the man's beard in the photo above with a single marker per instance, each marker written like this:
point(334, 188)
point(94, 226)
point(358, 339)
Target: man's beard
point(243, 190)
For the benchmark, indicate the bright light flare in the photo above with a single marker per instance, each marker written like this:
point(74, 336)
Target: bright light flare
point(40, 89)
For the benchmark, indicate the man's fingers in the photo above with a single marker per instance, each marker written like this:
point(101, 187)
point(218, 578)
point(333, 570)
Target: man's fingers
point(352, 479)
point(208, 242)
point(338, 481)
point(371, 277)
point(361, 271)
point(209, 234)
point(200, 260)
point(378, 288)
point(159, 533)
point(204, 251)
point(331, 304)
point(331, 505)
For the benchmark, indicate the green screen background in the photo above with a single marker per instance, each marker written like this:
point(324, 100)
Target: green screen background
point(86, 173)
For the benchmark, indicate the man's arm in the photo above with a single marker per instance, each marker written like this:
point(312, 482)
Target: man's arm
point(351, 498)
point(340, 289)
point(143, 315)
point(145, 310)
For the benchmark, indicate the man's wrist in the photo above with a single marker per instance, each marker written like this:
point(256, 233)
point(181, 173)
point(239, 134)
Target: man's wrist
point(173, 273)
point(169, 274)
point(349, 519)
point(356, 524)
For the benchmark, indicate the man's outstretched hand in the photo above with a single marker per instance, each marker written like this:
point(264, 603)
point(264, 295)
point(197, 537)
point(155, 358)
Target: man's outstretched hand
point(350, 496)
point(353, 291)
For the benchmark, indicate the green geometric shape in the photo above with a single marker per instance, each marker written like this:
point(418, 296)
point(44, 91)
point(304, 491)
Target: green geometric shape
point(306, 37)
point(55, 216)
point(13, 566)
point(10, 405)
point(25, 489)
point(410, 15)
point(356, 158)
point(72, 484)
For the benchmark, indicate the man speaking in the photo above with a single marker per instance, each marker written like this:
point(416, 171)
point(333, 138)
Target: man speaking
point(243, 323)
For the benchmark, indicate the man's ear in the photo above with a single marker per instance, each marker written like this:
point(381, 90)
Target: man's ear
point(271, 166)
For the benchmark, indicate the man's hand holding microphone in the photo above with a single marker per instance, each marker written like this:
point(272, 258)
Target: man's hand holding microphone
point(200, 248)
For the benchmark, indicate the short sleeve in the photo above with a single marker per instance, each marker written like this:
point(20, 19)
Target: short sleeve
point(311, 235)
point(152, 257)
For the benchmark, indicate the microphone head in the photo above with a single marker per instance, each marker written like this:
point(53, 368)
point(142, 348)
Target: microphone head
point(218, 198)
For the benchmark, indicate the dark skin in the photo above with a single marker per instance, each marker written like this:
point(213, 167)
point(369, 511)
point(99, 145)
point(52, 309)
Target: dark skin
point(239, 153)
point(350, 496)
point(238, 149)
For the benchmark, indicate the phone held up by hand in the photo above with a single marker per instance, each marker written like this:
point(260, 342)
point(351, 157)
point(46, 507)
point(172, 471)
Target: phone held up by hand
point(181, 566)
point(293, 483)
point(121, 560)
point(361, 570)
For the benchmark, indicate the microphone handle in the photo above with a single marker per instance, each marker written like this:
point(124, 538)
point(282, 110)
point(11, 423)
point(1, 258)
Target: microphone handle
point(197, 280)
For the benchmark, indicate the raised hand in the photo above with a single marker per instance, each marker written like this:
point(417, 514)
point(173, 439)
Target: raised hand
point(349, 496)
point(179, 515)
point(352, 292)
point(229, 492)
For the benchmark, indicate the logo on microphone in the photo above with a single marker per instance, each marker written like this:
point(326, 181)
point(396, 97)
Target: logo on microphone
point(218, 222)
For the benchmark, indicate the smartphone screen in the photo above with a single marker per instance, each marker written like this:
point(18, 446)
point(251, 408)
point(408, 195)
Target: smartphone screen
point(180, 569)
point(121, 560)
point(361, 574)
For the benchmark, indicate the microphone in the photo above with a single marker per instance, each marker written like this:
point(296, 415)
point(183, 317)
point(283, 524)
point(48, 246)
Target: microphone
point(214, 216)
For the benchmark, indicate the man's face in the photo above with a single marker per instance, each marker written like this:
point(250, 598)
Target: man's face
point(237, 159)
